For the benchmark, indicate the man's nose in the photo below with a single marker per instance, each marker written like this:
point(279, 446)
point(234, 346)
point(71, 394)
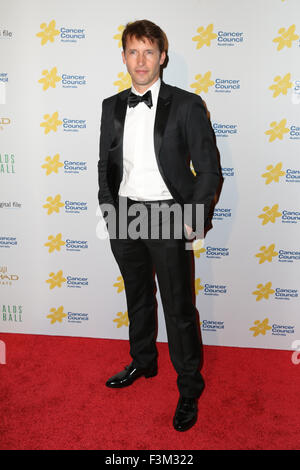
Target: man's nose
point(141, 59)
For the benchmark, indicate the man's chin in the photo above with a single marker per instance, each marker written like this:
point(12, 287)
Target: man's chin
point(142, 81)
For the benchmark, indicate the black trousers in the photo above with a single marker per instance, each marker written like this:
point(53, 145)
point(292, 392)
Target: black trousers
point(138, 260)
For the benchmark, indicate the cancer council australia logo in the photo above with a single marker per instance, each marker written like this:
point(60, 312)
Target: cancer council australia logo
point(49, 78)
point(260, 327)
point(51, 123)
point(119, 284)
point(203, 83)
point(124, 81)
point(286, 37)
point(267, 253)
point(273, 174)
point(269, 214)
point(198, 286)
point(205, 36)
point(281, 85)
point(56, 280)
point(52, 164)
point(263, 291)
point(118, 36)
point(53, 204)
point(48, 32)
point(224, 38)
point(54, 243)
point(57, 314)
point(277, 130)
point(198, 248)
point(122, 319)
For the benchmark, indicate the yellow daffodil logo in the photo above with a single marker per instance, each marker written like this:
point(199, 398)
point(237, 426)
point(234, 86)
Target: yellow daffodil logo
point(119, 284)
point(273, 173)
point(286, 37)
point(52, 164)
point(55, 243)
point(118, 36)
point(49, 79)
point(198, 285)
point(202, 83)
point(205, 36)
point(269, 214)
point(57, 314)
point(53, 204)
point(277, 130)
point(47, 33)
point(56, 280)
point(263, 292)
point(281, 85)
point(266, 253)
point(192, 169)
point(124, 82)
point(261, 327)
point(51, 123)
point(122, 319)
point(198, 248)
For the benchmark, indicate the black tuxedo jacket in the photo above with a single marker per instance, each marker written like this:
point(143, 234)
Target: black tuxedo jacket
point(182, 133)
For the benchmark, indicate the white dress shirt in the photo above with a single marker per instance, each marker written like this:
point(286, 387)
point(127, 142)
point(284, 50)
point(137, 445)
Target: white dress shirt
point(141, 180)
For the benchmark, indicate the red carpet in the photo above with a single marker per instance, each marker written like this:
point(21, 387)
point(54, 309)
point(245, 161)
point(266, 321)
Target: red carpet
point(53, 396)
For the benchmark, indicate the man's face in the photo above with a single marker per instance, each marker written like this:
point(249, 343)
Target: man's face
point(143, 60)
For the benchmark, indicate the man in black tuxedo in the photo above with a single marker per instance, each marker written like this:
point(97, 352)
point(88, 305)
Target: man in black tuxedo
point(149, 135)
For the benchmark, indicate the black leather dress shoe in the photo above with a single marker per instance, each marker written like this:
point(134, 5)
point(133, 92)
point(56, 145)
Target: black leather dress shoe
point(127, 376)
point(186, 413)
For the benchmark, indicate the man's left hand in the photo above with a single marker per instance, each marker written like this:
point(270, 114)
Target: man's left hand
point(189, 230)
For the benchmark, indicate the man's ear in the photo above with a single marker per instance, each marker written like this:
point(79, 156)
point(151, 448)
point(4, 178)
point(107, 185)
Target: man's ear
point(123, 57)
point(162, 58)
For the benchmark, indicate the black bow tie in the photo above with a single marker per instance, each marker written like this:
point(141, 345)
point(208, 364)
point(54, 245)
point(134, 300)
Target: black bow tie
point(134, 99)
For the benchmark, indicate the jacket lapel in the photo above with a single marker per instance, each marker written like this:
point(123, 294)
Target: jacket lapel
point(161, 118)
point(119, 118)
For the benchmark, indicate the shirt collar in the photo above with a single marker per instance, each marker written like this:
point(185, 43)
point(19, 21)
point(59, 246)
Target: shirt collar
point(154, 90)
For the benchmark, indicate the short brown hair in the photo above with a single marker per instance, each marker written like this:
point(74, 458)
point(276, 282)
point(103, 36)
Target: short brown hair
point(145, 29)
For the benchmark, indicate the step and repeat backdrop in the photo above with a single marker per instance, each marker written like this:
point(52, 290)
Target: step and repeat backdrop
point(58, 61)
